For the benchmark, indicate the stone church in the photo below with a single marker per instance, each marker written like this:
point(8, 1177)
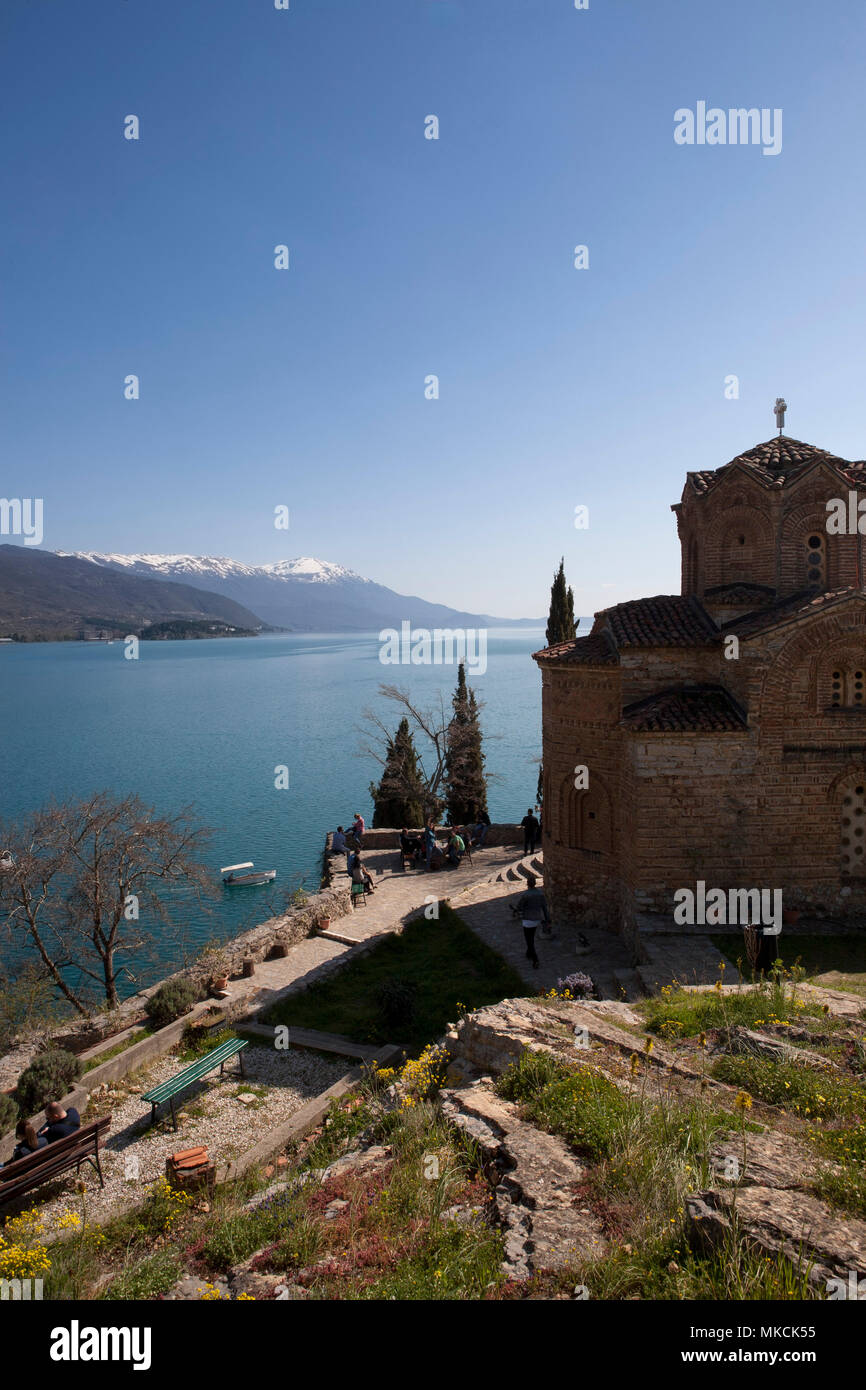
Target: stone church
point(722, 729)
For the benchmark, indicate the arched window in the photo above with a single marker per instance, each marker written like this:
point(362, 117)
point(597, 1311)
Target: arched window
point(816, 561)
point(853, 828)
point(846, 687)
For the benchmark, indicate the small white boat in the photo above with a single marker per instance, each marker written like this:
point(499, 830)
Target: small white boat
point(233, 877)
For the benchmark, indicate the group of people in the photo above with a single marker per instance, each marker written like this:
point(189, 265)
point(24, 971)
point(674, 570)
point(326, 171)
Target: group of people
point(349, 843)
point(59, 1124)
point(426, 849)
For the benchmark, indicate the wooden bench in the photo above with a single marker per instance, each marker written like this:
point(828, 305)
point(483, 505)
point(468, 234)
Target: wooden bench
point(218, 1057)
point(55, 1158)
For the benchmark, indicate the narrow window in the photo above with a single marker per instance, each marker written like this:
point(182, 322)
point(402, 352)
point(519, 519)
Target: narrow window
point(853, 820)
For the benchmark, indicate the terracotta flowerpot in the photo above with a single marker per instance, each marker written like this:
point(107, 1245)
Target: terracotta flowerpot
point(220, 982)
point(790, 915)
point(324, 923)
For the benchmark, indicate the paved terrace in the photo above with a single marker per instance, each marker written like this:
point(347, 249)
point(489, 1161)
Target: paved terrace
point(481, 892)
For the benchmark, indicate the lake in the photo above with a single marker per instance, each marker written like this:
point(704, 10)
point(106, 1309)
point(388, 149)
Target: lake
point(207, 722)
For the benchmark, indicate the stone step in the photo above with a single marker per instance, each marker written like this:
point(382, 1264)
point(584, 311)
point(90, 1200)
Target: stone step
point(677, 959)
point(341, 937)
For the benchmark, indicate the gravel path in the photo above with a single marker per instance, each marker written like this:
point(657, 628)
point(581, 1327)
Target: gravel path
point(210, 1112)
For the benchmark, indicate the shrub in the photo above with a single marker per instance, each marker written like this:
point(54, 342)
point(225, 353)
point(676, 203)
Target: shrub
point(395, 1001)
point(171, 1000)
point(578, 984)
point(49, 1076)
point(8, 1114)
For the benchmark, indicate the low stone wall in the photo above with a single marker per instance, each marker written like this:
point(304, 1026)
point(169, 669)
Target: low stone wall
point(277, 932)
point(384, 838)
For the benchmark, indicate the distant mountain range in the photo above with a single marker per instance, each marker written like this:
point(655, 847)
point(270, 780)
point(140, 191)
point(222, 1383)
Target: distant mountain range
point(304, 595)
point(59, 596)
point(49, 594)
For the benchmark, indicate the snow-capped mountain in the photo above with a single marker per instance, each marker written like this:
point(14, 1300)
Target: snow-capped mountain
point(170, 566)
point(303, 594)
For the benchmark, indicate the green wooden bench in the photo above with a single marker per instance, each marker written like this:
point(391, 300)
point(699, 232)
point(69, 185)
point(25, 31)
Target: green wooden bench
point(218, 1057)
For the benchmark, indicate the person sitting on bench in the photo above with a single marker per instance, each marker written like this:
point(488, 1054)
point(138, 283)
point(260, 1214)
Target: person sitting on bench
point(411, 845)
point(61, 1123)
point(362, 875)
point(28, 1141)
point(456, 847)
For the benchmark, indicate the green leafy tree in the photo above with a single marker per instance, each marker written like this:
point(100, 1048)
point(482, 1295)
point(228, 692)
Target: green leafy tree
point(560, 624)
point(399, 797)
point(465, 779)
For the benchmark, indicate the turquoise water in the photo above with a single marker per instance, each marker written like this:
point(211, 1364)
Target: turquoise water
point(206, 723)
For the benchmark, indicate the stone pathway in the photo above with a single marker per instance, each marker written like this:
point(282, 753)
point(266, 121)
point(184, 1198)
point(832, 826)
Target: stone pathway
point(399, 896)
point(486, 909)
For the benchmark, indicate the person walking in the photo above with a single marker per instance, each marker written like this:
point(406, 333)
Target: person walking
point(532, 910)
point(530, 831)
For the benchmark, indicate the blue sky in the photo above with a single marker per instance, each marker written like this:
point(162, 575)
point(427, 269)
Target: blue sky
point(411, 257)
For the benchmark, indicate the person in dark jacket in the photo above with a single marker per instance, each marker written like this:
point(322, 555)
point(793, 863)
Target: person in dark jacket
point(531, 829)
point(61, 1123)
point(532, 909)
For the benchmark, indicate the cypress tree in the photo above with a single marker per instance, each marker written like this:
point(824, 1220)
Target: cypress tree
point(465, 780)
point(560, 623)
point(399, 798)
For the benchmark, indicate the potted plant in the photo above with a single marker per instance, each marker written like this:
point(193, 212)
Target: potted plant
point(215, 965)
point(790, 915)
point(325, 922)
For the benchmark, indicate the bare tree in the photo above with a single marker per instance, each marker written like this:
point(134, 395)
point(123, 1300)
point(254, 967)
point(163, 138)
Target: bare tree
point(81, 884)
point(432, 722)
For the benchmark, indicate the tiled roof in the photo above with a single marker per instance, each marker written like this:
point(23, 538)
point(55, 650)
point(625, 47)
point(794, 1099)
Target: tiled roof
point(668, 620)
point(777, 460)
point(593, 650)
point(789, 610)
point(693, 709)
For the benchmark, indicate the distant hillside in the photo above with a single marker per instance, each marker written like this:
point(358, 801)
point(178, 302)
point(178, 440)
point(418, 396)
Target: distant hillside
point(54, 596)
point(303, 594)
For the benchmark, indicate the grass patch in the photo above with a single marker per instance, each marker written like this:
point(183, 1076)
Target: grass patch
point(579, 1104)
point(149, 1278)
point(812, 1095)
point(138, 1036)
point(444, 966)
point(664, 1268)
point(686, 1013)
